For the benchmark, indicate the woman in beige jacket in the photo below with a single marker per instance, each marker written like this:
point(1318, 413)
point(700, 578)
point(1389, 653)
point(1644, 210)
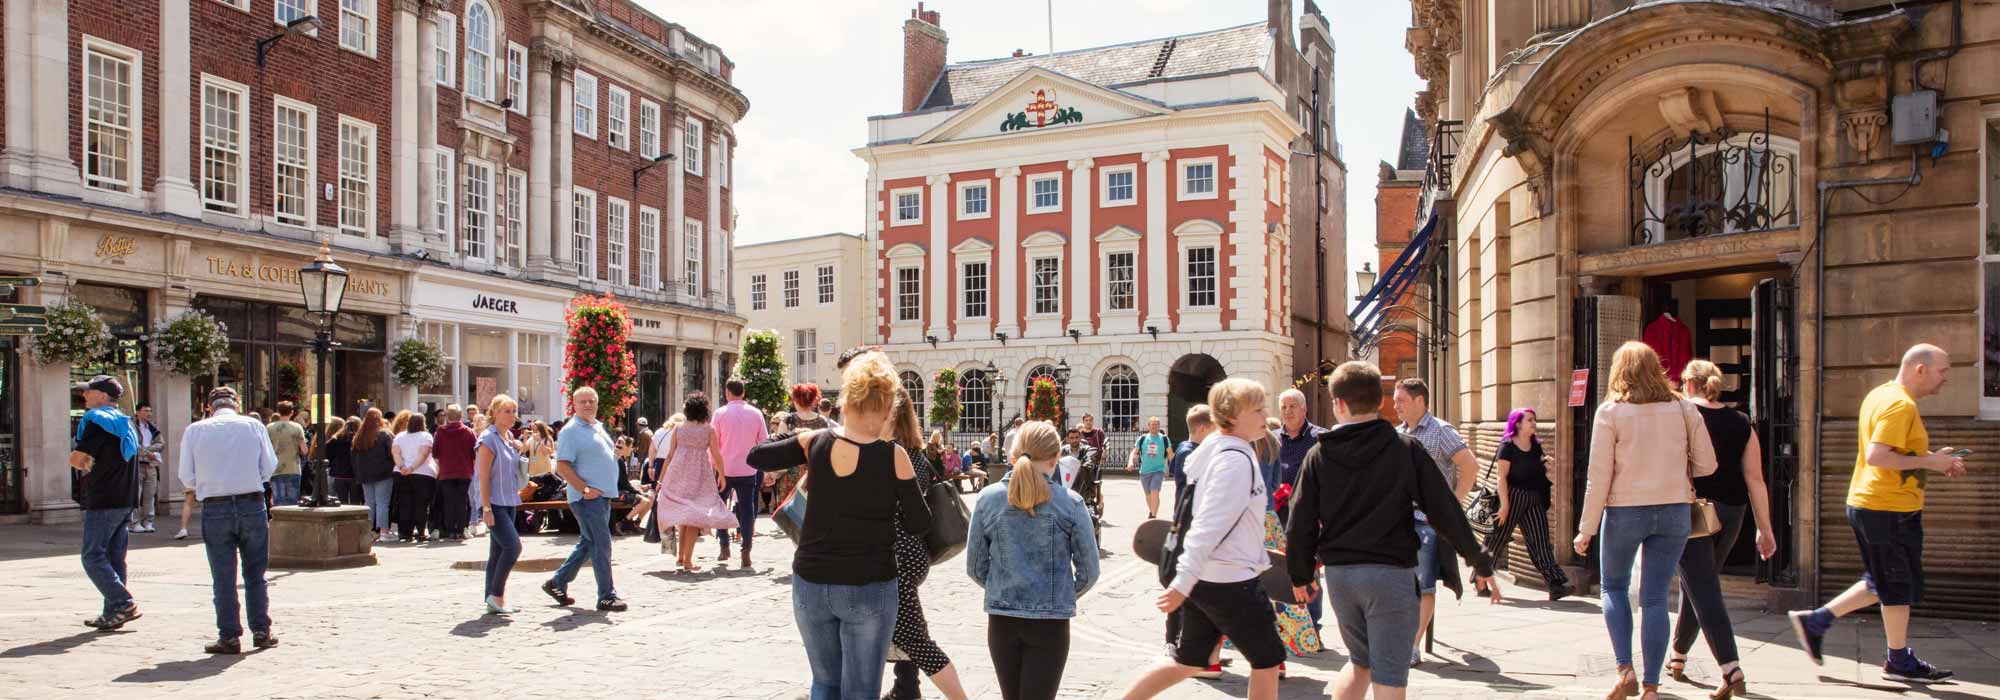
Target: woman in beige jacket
point(1644, 444)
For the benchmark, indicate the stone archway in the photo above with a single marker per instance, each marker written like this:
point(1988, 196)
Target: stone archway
point(1188, 382)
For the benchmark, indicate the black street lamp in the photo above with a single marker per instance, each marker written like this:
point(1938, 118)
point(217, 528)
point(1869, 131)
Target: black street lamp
point(323, 283)
point(999, 380)
point(1062, 391)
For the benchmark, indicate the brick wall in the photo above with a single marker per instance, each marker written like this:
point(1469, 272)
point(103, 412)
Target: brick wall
point(133, 24)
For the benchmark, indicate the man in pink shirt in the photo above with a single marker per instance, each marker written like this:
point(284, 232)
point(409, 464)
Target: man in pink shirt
point(739, 426)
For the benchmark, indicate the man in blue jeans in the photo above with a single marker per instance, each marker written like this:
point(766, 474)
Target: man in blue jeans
point(225, 460)
point(104, 450)
point(588, 463)
point(1449, 452)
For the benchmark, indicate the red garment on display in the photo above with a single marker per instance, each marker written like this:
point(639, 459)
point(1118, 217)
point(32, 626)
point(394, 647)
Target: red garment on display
point(1674, 341)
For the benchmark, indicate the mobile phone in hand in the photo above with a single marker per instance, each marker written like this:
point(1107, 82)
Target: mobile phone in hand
point(1962, 452)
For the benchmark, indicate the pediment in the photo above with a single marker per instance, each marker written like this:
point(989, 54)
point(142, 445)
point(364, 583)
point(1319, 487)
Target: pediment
point(1038, 100)
point(972, 245)
point(1118, 234)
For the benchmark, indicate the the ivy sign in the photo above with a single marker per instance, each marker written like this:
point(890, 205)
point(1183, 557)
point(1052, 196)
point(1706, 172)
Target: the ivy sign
point(1040, 112)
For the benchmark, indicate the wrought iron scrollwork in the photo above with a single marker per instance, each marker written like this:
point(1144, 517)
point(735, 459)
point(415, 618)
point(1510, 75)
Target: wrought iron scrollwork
point(1708, 183)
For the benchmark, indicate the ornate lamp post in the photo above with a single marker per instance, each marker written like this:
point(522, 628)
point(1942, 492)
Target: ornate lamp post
point(324, 285)
point(999, 381)
point(1062, 392)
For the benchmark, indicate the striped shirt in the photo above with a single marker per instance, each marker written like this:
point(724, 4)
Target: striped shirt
point(1441, 441)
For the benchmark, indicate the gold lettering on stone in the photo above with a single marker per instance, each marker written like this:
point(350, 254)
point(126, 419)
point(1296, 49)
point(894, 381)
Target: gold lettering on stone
point(116, 246)
point(219, 266)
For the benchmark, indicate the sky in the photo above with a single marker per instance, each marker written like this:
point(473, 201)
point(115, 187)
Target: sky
point(815, 70)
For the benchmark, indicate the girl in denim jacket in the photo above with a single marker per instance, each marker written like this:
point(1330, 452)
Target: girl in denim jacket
point(1031, 548)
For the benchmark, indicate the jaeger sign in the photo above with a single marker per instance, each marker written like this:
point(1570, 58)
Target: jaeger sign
point(495, 304)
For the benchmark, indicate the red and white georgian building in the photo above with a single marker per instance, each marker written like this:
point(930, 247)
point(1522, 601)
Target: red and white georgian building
point(1122, 209)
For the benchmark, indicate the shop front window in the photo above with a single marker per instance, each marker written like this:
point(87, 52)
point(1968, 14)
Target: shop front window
point(532, 371)
point(652, 404)
point(694, 369)
point(271, 359)
point(483, 352)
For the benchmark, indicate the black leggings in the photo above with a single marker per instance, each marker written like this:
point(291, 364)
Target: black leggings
point(1530, 511)
point(1028, 655)
point(452, 508)
point(1703, 611)
point(413, 504)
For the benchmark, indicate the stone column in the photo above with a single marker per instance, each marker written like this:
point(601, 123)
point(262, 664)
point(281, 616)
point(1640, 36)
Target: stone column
point(172, 408)
point(405, 206)
point(541, 117)
point(405, 327)
point(511, 376)
point(563, 177)
point(45, 432)
point(37, 157)
point(715, 254)
point(427, 131)
point(941, 209)
point(673, 390)
point(1557, 16)
point(675, 236)
point(1081, 201)
point(1002, 282)
point(173, 192)
point(1244, 272)
point(1155, 266)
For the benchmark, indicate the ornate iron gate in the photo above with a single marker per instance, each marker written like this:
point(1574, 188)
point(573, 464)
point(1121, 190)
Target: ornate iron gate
point(1774, 406)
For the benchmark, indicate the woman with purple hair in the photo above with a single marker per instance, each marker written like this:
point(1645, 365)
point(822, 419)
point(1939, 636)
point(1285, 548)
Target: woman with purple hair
point(1524, 500)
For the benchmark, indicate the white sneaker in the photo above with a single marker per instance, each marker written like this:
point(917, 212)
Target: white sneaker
point(148, 528)
point(183, 534)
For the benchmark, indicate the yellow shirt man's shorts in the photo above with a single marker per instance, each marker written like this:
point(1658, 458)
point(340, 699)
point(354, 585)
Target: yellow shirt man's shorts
point(1885, 506)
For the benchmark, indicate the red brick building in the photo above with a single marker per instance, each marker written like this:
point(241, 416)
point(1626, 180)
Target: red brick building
point(1398, 188)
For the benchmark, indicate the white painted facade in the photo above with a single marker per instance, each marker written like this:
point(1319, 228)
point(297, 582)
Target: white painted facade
point(834, 325)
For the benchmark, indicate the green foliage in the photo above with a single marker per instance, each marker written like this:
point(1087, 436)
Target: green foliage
point(76, 335)
point(944, 399)
point(192, 344)
point(418, 362)
point(1044, 402)
point(762, 368)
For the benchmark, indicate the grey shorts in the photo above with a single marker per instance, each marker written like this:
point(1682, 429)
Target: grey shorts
point(1151, 481)
point(1376, 609)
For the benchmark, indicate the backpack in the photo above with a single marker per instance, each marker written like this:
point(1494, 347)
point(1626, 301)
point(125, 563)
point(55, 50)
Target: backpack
point(1170, 551)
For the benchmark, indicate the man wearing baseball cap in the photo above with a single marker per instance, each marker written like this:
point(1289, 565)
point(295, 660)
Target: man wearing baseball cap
point(104, 449)
point(225, 459)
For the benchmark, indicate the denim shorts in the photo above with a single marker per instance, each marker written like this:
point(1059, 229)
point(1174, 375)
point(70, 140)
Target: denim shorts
point(1150, 481)
point(1427, 559)
point(1892, 553)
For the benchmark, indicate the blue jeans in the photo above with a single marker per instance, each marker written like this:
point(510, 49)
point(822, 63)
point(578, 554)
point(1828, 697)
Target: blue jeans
point(846, 631)
point(502, 550)
point(1427, 559)
point(593, 524)
point(285, 490)
point(104, 542)
point(1655, 536)
point(232, 530)
point(745, 488)
point(377, 494)
point(473, 504)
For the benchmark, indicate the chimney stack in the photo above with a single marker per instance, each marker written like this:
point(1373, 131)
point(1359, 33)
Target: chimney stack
point(1019, 53)
point(923, 56)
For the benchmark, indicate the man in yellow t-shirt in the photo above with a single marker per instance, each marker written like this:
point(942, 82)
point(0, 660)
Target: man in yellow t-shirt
point(1885, 501)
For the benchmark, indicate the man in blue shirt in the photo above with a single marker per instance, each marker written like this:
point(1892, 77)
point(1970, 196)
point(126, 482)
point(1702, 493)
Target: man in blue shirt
point(588, 465)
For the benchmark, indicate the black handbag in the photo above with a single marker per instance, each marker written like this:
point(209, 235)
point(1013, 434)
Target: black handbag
point(950, 520)
point(1484, 502)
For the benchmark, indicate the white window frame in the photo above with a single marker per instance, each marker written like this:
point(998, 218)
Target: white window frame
point(515, 221)
point(691, 258)
point(649, 128)
point(649, 248)
point(308, 189)
point(805, 353)
point(1104, 185)
point(239, 203)
point(583, 105)
point(722, 159)
point(134, 127)
point(1181, 178)
point(1131, 294)
point(617, 237)
point(1035, 286)
point(1118, 405)
point(1188, 236)
point(243, 5)
point(479, 211)
point(1119, 240)
point(479, 80)
point(363, 181)
point(447, 49)
point(692, 145)
point(760, 291)
point(789, 290)
point(517, 77)
point(896, 217)
point(361, 13)
point(618, 118)
point(583, 233)
point(1034, 180)
point(985, 290)
point(305, 9)
point(823, 284)
point(963, 191)
point(444, 185)
point(897, 296)
point(1274, 181)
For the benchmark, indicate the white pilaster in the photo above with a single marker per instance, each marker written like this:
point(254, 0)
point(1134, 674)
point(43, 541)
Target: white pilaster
point(427, 132)
point(406, 205)
point(674, 392)
point(1156, 265)
point(511, 377)
point(37, 152)
point(174, 192)
point(715, 254)
point(541, 140)
point(675, 237)
point(1081, 201)
point(941, 209)
point(563, 176)
point(1003, 280)
point(1244, 276)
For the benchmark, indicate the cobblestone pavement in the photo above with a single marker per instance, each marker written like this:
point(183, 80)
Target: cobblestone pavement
point(411, 627)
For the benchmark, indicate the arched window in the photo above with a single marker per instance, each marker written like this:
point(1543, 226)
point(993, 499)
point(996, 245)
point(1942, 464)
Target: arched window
point(479, 50)
point(1714, 183)
point(975, 403)
point(1119, 400)
point(914, 383)
point(1028, 384)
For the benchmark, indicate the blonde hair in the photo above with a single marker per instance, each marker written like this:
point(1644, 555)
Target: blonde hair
point(1230, 397)
point(1036, 441)
point(869, 384)
point(674, 421)
point(401, 422)
point(493, 406)
point(1702, 378)
point(1199, 416)
point(903, 425)
point(1637, 375)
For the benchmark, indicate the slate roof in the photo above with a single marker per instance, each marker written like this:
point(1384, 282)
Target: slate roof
point(1416, 148)
point(1232, 48)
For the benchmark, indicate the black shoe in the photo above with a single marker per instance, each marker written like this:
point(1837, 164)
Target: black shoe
point(1808, 639)
point(224, 646)
point(116, 619)
point(1916, 671)
point(263, 640)
point(561, 596)
point(1560, 591)
point(612, 604)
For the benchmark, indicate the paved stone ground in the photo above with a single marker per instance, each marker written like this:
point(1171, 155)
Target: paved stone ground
point(411, 627)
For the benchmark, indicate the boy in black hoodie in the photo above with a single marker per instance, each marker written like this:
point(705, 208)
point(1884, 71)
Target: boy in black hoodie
point(1352, 509)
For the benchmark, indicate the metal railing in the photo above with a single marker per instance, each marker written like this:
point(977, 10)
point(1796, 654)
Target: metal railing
point(1445, 138)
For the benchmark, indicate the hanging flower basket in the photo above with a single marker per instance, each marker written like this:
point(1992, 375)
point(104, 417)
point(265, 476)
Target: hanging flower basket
point(418, 362)
point(76, 335)
point(598, 356)
point(191, 344)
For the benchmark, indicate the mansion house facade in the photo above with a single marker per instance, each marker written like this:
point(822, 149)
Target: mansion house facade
point(1123, 211)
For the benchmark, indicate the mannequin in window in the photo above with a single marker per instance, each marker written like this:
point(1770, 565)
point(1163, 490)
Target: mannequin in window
point(1671, 338)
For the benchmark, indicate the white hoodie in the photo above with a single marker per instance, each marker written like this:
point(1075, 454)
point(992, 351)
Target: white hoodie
point(1225, 540)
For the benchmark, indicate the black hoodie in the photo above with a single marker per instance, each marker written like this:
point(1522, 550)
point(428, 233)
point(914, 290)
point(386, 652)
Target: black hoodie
point(1352, 503)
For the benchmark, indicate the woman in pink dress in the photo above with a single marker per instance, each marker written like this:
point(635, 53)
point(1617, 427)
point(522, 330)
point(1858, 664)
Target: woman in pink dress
point(689, 493)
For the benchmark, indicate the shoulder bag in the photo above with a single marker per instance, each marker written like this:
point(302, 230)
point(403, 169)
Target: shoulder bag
point(1484, 502)
point(1703, 521)
point(950, 522)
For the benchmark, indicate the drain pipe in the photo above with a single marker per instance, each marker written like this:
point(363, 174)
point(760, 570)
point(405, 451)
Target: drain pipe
point(1826, 191)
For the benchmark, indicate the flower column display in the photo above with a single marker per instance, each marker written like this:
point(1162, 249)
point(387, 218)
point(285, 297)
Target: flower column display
point(1044, 402)
point(944, 399)
point(597, 355)
point(763, 371)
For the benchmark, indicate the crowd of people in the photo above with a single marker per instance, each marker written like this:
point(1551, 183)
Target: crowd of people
point(1364, 509)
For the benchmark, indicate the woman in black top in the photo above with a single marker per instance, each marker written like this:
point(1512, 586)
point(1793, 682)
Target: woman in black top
point(1737, 485)
point(913, 564)
point(862, 488)
point(375, 469)
point(1524, 500)
point(340, 462)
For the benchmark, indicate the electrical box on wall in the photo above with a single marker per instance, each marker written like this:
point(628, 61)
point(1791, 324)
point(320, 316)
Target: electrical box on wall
point(1913, 118)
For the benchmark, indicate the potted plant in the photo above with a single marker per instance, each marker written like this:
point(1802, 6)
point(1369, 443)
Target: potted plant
point(191, 343)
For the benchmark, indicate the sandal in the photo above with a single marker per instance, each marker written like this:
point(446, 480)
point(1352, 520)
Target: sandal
point(1732, 685)
point(1628, 685)
point(1677, 667)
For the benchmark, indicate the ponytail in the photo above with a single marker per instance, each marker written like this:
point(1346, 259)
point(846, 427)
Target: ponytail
point(1036, 441)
